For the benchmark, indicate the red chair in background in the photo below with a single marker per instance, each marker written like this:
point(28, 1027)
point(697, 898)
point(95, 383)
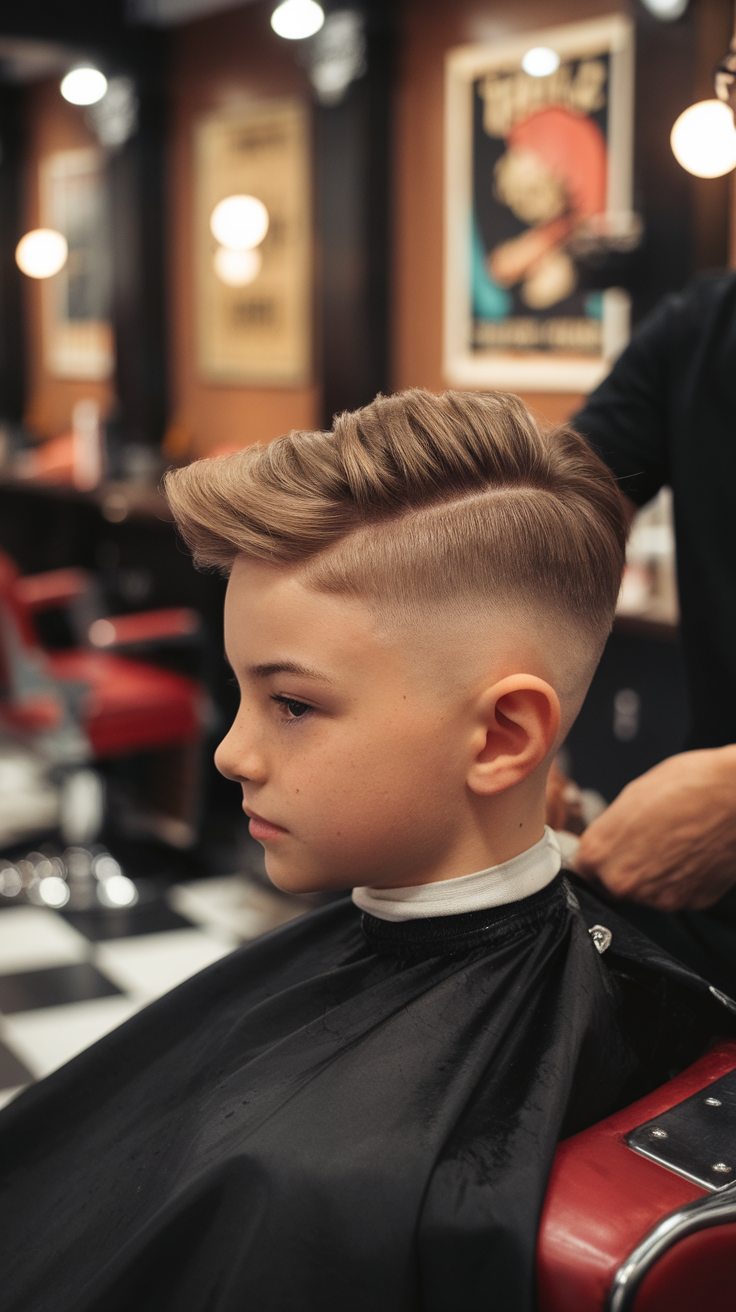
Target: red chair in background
point(640, 1212)
point(127, 706)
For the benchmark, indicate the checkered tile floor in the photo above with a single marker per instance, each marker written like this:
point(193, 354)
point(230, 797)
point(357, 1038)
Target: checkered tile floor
point(68, 977)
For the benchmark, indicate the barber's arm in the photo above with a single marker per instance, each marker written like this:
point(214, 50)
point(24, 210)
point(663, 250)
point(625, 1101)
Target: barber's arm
point(669, 839)
point(627, 418)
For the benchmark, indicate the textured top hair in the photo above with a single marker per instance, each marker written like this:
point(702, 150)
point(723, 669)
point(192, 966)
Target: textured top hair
point(417, 499)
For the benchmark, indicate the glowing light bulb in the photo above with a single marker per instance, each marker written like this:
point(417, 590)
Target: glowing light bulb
point(41, 253)
point(666, 10)
point(540, 61)
point(236, 268)
point(84, 86)
point(703, 139)
point(54, 891)
point(117, 891)
point(10, 882)
point(105, 866)
point(297, 19)
point(239, 222)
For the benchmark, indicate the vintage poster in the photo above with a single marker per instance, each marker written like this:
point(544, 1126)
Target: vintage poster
point(254, 307)
point(538, 180)
point(77, 329)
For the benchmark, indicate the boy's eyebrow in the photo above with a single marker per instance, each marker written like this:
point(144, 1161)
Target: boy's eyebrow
point(287, 667)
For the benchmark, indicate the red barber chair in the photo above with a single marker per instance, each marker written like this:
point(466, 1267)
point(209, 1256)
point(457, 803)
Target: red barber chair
point(640, 1213)
point(128, 706)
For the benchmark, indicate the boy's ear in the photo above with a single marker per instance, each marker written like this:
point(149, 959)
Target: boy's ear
point(519, 722)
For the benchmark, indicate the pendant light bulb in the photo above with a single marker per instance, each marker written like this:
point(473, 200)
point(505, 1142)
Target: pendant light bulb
point(41, 253)
point(703, 139)
point(297, 19)
point(84, 86)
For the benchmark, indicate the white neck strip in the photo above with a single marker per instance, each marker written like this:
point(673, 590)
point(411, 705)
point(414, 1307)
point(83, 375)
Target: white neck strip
point(515, 879)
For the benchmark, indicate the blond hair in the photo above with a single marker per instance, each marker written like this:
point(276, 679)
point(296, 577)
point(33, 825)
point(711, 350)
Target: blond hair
point(419, 499)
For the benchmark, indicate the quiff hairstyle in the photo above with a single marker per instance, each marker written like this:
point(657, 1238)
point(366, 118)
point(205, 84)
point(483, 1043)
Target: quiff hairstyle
point(416, 500)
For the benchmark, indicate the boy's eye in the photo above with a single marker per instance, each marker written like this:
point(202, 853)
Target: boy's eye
point(295, 708)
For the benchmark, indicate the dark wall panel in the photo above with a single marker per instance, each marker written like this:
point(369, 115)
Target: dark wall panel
point(11, 326)
point(353, 169)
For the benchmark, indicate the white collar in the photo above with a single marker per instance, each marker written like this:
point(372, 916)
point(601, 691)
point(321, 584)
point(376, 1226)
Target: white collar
point(512, 880)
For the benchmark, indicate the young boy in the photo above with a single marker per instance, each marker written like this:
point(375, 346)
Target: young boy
point(358, 1112)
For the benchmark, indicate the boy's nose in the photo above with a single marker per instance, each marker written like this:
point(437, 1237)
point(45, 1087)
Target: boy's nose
point(237, 759)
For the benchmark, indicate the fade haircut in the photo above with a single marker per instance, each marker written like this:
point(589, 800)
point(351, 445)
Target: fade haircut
point(418, 500)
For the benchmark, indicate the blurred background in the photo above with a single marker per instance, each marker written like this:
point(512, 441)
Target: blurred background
point(220, 221)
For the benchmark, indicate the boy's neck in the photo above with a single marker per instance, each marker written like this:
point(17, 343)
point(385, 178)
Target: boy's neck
point(511, 881)
point(497, 829)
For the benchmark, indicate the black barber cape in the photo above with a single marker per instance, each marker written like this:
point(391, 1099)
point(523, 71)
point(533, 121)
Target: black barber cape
point(347, 1115)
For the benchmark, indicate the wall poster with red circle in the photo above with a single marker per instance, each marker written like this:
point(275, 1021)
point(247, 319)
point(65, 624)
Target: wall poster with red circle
point(538, 178)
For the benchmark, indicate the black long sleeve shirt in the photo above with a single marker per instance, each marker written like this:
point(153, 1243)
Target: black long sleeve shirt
point(667, 414)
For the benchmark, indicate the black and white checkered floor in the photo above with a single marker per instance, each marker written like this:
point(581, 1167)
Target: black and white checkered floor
point(68, 977)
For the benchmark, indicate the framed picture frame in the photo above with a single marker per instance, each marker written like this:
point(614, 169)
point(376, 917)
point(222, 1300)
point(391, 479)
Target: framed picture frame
point(256, 331)
point(78, 339)
point(538, 177)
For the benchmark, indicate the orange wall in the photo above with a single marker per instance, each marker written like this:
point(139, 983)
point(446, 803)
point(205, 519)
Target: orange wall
point(430, 28)
point(51, 124)
point(217, 62)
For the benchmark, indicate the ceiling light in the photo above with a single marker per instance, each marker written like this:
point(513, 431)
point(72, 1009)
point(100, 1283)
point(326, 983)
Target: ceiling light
point(84, 86)
point(666, 10)
point(703, 139)
point(239, 222)
point(236, 268)
point(297, 19)
point(41, 253)
point(540, 61)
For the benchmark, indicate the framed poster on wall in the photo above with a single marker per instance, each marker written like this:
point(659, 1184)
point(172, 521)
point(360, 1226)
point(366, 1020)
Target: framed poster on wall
point(77, 328)
point(254, 306)
point(538, 177)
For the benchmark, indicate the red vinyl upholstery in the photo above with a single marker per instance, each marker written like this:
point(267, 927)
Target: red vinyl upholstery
point(699, 1272)
point(603, 1199)
point(144, 627)
point(57, 587)
point(130, 706)
point(18, 612)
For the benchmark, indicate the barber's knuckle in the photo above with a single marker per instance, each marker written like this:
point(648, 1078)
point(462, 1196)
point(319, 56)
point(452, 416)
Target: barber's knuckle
point(591, 851)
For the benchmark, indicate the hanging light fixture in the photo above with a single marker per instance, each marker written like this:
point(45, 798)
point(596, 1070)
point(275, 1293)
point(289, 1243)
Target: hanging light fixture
point(84, 85)
point(41, 253)
point(297, 19)
point(540, 61)
point(703, 139)
point(239, 222)
point(667, 11)
point(237, 268)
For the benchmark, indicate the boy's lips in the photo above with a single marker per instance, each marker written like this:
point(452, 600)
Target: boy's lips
point(262, 829)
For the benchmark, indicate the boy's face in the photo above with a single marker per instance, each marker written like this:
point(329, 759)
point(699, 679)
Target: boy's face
point(352, 752)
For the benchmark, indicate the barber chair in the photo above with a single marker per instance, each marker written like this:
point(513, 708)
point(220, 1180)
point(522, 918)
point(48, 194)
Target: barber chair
point(121, 706)
point(640, 1213)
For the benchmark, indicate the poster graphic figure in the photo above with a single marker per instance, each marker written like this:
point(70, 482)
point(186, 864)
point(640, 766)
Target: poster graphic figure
point(538, 177)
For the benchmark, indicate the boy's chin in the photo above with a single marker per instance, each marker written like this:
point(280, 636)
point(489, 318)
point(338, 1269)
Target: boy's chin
point(289, 877)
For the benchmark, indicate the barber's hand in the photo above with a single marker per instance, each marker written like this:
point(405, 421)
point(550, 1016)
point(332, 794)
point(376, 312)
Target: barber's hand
point(669, 839)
